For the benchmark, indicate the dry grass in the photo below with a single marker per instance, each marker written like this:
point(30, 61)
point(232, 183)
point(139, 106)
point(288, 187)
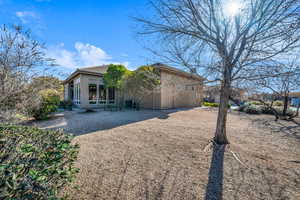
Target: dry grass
point(163, 158)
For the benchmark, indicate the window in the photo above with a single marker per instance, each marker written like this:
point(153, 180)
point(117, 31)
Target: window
point(92, 93)
point(111, 95)
point(76, 93)
point(102, 94)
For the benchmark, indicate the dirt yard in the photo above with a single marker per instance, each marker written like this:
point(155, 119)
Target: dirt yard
point(162, 155)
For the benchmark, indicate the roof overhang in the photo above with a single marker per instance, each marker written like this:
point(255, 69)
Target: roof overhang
point(179, 72)
point(78, 71)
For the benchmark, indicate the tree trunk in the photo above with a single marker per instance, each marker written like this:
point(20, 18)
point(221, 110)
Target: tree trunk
point(285, 105)
point(220, 134)
point(298, 108)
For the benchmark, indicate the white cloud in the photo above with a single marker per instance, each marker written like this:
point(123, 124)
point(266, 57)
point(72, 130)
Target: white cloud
point(26, 16)
point(90, 55)
point(83, 55)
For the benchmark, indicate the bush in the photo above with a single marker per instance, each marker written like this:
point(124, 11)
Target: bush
point(207, 104)
point(279, 110)
point(35, 164)
point(48, 102)
point(267, 110)
point(66, 104)
point(289, 112)
point(278, 103)
point(253, 109)
point(256, 103)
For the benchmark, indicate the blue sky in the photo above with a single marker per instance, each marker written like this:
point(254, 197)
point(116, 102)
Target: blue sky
point(81, 32)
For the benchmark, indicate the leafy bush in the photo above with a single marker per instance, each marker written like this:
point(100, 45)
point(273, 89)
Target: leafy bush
point(278, 103)
point(66, 104)
point(114, 77)
point(34, 163)
point(267, 110)
point(207, 104)
point(48, 102)
point(256, 103)
point(253, 109)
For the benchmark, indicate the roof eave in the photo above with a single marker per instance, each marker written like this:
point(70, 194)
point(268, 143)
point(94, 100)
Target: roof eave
point(179, 72)
point(77, 72)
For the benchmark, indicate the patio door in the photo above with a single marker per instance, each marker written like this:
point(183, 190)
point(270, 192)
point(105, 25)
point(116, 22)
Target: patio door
point(92, 94)
point(102, 95)
point(111, 95)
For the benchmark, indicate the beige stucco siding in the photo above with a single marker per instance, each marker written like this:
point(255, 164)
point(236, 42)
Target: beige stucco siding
point(85, 80)
point(176, 91)
point(152, 100)
point(66, 92)
point(179, 91)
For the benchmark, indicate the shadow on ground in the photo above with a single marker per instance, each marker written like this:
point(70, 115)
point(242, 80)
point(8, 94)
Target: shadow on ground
point(214, 189)
point(286, 128)
point(81, 122)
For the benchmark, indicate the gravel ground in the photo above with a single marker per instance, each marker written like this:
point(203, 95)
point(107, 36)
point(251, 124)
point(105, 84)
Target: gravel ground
point(164, 155)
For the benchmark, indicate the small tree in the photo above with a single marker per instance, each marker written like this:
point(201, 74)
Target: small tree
point(21, 58)
point(142, 82)
point(46, 101)
point(48, 82)
point(114, 78)
point(282, 85)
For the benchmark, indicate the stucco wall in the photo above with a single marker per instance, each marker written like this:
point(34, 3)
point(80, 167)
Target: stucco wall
point(85, 80)
point(175, 91)
point(152, 100)
point(179, 91)
point(66, 92)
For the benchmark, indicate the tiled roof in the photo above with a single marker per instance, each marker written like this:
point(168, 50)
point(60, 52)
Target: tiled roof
point(97, 69)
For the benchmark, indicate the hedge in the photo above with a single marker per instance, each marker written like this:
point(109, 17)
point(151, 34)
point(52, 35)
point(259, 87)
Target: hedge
point(35, 163)
point(254, 109)
point(208, 104)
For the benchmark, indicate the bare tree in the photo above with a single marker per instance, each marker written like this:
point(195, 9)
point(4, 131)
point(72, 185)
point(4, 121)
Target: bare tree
point(240, 36)
point(21, 59)
point(282, 85)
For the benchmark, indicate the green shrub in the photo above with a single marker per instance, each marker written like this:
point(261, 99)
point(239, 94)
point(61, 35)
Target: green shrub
point(215, 105)
point(34, 163)
point(253, 109)
point(278, 103)
point(66, 104)
point(207, 104)
point(49, 101)
point(256, 103)
point(267, 110)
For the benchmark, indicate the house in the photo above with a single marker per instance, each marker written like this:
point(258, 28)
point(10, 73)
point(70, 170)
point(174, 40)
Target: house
point(85, 87)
